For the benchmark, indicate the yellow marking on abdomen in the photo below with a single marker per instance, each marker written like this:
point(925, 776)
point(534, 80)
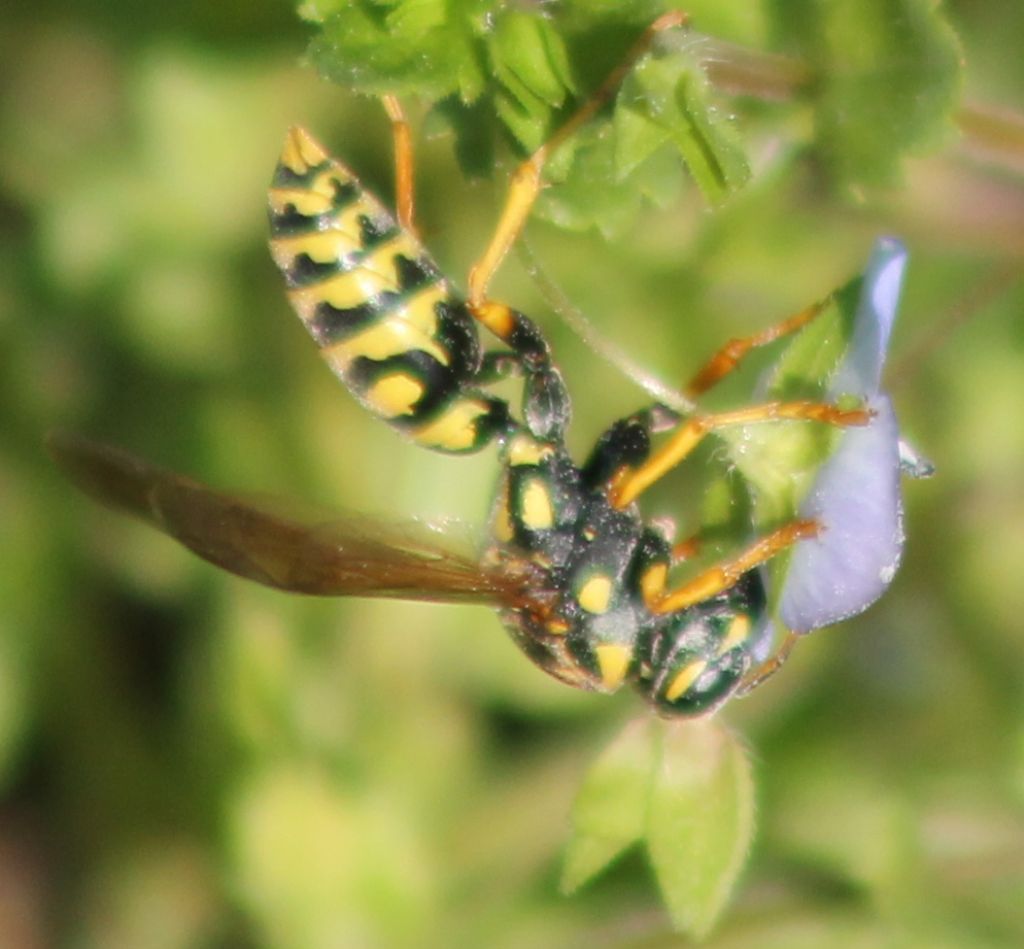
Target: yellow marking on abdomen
point(613, 662)
point(684, 678)
point(392, 336)
point(301, 151)
point(322, 247)
point(419, 310)
point(382, 258)
point(455, 428)
point(537, 513)
point(343, 292)
point(595, 595)
point(306, 202)
point(737, 633)
point(319, 199)
point(394, 395)
point(345, 224)
point(338, 174)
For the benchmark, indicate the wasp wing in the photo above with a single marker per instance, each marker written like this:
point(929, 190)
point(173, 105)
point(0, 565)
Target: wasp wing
point(324, 555)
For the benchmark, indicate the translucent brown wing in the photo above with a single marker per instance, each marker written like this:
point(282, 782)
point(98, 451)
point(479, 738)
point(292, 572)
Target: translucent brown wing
point(320, 555)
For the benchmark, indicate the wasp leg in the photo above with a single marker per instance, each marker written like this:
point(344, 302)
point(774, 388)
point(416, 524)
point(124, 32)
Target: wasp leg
point(720, 576)
point(402, 138)
point(526, 179)
point(733, 352)
point(626, 445)
point(545, 400)
point(631, 483)
point(768, 668)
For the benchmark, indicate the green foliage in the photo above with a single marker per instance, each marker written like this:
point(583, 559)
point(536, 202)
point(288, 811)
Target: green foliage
point(669, 101)
point(188, 760)
point(409, 46)
point(477, 61)
point(779, 461)
point(884, 80)
point(887, 78)
point(685, 791)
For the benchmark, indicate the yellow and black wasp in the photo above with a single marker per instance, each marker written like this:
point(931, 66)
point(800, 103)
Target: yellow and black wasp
point(582, 583)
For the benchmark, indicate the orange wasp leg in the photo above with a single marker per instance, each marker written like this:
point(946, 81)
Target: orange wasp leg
point(402, 139)
point(526, 183)
point(720, 576)
point(733, 352)
point(768, 668)
point(631, 483)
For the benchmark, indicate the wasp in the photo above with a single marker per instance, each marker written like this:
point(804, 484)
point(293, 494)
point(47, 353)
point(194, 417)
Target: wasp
point(583, 585)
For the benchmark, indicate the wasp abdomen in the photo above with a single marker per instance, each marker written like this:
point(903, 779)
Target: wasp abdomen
point(371, 297)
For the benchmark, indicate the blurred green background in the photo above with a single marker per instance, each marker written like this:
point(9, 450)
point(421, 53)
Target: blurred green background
point(189, 760)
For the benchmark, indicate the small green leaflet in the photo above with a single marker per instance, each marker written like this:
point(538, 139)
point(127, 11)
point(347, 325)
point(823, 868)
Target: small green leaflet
point(666, 100)
point(685, 790)
point(887, 77)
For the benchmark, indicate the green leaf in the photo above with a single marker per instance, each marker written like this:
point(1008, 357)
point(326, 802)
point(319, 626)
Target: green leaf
point(888, 78)
point(413, 17)
point(519, 66)
point(636, 139)
point(779, 460)
point(529, 60)
point(611, 806)
point(640, 12)
point(667, 98)
point(527, 53)
point(424, 47)
point(700, 821)
point(590, 196)
point(807, 363)
point(707, 141)
point(473, 129)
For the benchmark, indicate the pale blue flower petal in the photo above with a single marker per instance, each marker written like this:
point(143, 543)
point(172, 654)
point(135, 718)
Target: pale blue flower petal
point(857, 497)
point(860, 372)
point(856, 493)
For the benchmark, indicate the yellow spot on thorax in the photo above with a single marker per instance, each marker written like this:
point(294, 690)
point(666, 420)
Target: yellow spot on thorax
point(596, 594)
point(739, 630)
point(394, 395)
point(525, 450)
point(537, 512)
point(613, 662)
point(455, 428)
point(684, 678)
